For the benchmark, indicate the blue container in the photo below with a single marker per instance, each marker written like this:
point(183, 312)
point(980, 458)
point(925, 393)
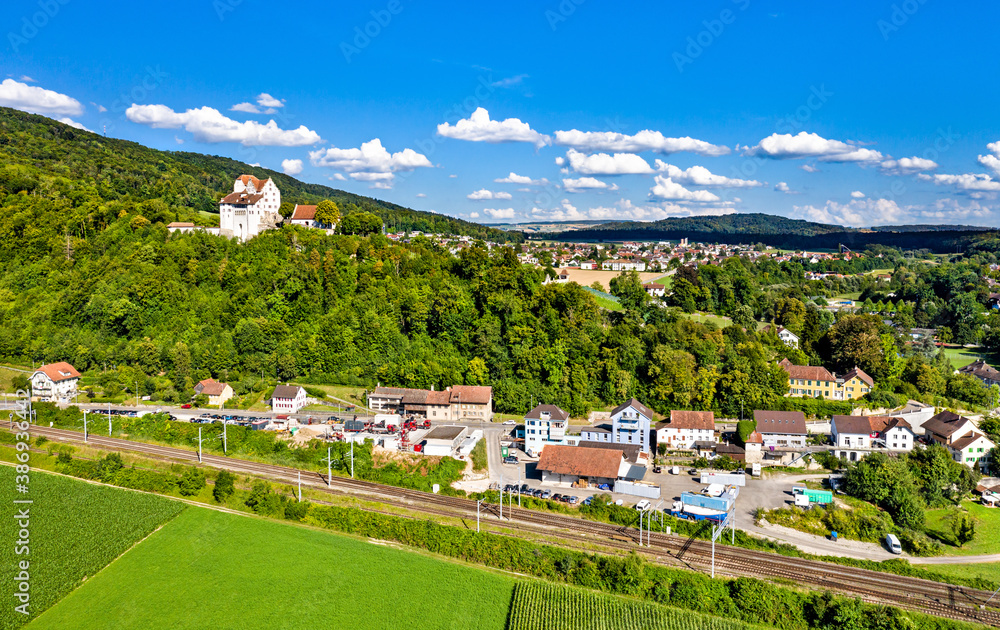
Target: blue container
point(723, 503)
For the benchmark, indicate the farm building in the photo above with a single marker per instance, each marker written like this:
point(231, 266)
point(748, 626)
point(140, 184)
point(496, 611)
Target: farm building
point(576, 465)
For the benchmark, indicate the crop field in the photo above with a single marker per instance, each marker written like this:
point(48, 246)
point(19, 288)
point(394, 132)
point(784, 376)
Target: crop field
point(544, 606)
point(209, 569)
point(587, 277)
point(76, 529)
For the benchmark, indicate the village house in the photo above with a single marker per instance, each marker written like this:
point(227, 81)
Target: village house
point(630, 424)
point(55, 382)
point(455, 403)
point(581, 466)
point(623, 265)
point(655, 289)
point(251, 208)
point(288, 399)
point(962, 439)
point(685, 428)
point(544, 425)
point(985, 373)
point(789, 338)
point(781, 429)
point(816, 381)
point(218, 393)
point(856, 436)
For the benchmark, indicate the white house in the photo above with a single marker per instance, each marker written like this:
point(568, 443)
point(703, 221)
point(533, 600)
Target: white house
point(544, 425)
point(856, 436)
point(961, 437)
point(288, 399)
point(624, 265)
point(588, 265)
point(781, 429)
point(655, 289)
point(55, 382)
point(251, 208)
point(630, 422)
point(685, 428)
point(789, 338)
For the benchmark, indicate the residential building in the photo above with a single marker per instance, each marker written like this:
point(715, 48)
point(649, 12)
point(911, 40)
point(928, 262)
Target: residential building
point(543, 426)
point(961, 437)
point(985, 373)
point(816, 381)
point(856, 436)
point(655, 289)
point(630, 424)
point(781, 429)
point(185, 227)
point(218, 393)
point(588, 265)
point(600, 433)
point(789, 338)
point(623, 265)
point(304, 215)
point(455, 403)
point(288, 399)
point(580, 465)
point(251, 208)
point(55, 382)
point(685, 428)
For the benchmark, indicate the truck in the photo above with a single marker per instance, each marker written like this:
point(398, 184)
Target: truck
point(819, 497)
point(696, 513)
point(721, 503)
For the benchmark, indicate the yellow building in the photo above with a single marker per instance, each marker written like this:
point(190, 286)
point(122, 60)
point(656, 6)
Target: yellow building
point(816, 381)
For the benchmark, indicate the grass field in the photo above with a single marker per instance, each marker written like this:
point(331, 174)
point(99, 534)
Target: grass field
point(6, 375)
point(846, 296)
point(543, 606)
point(209, 569)
point(961, 357)
point(605, 300)
point(76, 529)
point(349, 393)
point(989, 571)
point(987, 538)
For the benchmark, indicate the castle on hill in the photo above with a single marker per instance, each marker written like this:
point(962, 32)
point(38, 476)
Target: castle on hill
point(251, 208)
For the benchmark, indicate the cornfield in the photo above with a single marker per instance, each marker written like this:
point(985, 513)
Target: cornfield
point(542, 606)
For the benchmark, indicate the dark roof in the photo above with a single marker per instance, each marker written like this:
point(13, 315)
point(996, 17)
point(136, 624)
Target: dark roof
point(242, 199)
point(961, 443)
point(945, 423)
point(601, 428)
point(680, 419)
point(447, 432)
point(807, 372)
point(631, 451)
point(635, 404)
point(780, 422)
point(555, 413)
point(729, 449)
point(858, 425)
point(285, 391)
point(982, 371)
point(635, 473)
point(581, 461)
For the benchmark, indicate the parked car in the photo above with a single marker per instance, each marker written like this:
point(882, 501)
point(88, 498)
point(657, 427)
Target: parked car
point(557, 497)
point(510, 422)
point(185, 406)
point(892, 544)
point(510, 460)
point(588, 500)
point(572, 500)
point(642, 506)
point(525, 489)
point(537, 492)
point(546, 494)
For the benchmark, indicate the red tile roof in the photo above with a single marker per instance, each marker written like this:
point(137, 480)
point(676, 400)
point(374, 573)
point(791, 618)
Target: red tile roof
point(304, 213)
point(690, 420)
point(60, 371)
point(807, 372)
point(242, 199)
point(179, 224)
point(473, 394)
point(581, 461)
point(210, 387)
point(861, 375)
point(780, 422)
point(257, 183)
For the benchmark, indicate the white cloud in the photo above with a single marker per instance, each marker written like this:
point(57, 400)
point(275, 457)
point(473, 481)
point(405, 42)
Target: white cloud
point(501, 213)
point(339, 177)
point(809, 168)
point(291, 167)
point(625, 210)
point(808, 145)
point(701, 176)
point(510, 81)
point(100, 108)
point(604, 164)
point(907, 166)
point(857, 194)
point(479, 128)
point(266, 100)
point(586, 183)
point(783, 187)
point(977, 182)
point(856, 213)
point(646, 140)
point(421, 195)
point(210, 125)
point(72, 123)
point(474, 215)
point(514, 178)
point(453, 176)
point(992, 162)
point(666, 188)
point(247, 108)
point(370, 163)
point(381, 185)
point(27, 79)
point(178, 140)
point(36, 100)
point(488, 194)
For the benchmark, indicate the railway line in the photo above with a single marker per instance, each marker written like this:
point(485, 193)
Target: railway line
point(943, 600)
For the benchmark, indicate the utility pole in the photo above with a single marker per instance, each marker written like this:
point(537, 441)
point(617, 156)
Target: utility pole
point(199, 444)
point(640, 528)
point(300, 486)
point(478, 504)
point(109, 419)
point(501, 501)
point(352, 459)
point(85, 411)
point(329, 466)
point(137, 394)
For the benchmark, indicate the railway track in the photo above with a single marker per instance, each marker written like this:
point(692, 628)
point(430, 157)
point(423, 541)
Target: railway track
point(943, 600)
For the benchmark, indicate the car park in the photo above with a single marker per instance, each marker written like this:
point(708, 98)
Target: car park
point(573, 500)
point(525, 489)
point(546, 494)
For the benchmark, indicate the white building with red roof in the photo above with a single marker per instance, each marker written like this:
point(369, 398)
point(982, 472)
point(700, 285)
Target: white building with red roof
point(55, 382)
point(251, 208)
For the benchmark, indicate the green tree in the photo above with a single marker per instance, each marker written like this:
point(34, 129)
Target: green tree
point(225, 485)
point(191, 482)
point(963, 527)
point(327, 213)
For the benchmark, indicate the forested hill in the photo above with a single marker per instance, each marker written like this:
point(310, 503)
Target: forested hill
point(71, 167)
point(783, 232)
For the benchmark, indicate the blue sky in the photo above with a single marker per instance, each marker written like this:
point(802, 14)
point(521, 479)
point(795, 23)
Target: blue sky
point(877, 113)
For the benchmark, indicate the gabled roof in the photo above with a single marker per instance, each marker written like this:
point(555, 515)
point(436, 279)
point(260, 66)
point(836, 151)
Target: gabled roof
point(945, 424)
point(981, 370)
point(242, 198)
point(210, 387)
point(60, 371)
point(257, 183)
point(780, 422)
point(285, 391)
point(180, 224)
point(634, 404)
point(581, 461)
point(474, 394)
point(304, 213)
point(439, 398)
point(555, 413)
point(968, 440)
point(855, 425)
point(858, 372)
point(807, 372)
point(680, 419)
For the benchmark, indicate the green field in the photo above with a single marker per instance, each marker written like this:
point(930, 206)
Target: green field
point(76, 529)
point(988, 571)
point(961, 357)
point(209, 569)
point(6, 374)
point(347, 393)
point(987, 540)
point(543, 606)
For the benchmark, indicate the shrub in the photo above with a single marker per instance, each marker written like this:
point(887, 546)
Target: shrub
point(192, 481)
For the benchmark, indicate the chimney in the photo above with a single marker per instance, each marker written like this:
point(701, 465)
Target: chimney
point(432, 388)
